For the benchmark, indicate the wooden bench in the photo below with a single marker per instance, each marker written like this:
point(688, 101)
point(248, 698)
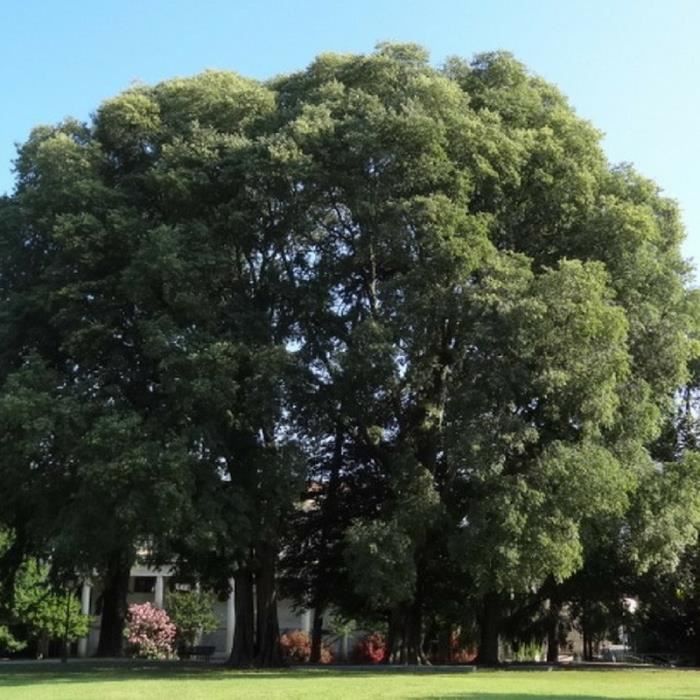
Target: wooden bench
point(199, 652)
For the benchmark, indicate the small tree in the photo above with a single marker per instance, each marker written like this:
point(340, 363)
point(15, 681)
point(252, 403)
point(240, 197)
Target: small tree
point(191, 612)
point(149, 632)
point(47, 613)
point(342, 629)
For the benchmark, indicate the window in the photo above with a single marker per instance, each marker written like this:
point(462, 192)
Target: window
point(144, 584)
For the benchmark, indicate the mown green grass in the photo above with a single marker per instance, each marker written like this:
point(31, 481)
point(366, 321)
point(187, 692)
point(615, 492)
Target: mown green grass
point(80, 681)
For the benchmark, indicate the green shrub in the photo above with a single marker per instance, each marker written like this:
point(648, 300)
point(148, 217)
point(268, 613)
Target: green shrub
point(192, 613)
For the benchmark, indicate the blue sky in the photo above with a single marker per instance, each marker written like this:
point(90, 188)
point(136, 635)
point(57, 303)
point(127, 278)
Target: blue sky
point(630, 66)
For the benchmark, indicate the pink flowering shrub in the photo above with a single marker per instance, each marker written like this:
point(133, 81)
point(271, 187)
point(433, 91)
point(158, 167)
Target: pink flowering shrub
point(296, 648)
point(149, 632)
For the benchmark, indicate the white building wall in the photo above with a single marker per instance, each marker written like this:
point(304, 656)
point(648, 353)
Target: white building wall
point(221, 638)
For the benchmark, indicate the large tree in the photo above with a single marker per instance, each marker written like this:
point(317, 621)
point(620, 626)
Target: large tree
point(425, 288)
point(504, 314)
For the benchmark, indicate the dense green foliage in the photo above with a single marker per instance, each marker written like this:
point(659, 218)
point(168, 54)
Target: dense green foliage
point(46, 613)
point(423, 293)
point(191, 612)
point(38, 610)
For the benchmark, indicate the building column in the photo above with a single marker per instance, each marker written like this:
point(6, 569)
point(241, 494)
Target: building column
point(306, 621)
point(160, 592)
point(230, 616)
point(85, 609)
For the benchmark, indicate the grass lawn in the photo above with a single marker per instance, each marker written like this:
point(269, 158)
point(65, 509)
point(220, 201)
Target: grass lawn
point(78, 681)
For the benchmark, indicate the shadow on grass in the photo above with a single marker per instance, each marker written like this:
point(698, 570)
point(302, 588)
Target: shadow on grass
point(476, 684)
point(33, 673)
point(480, 695)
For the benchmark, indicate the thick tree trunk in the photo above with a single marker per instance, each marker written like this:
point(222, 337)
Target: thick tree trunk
point(316, 636)
point(587, 651)
point(330, 509)
point(444, 650)
point(414, 636)
point(405, 640)
point(268, 652)
point(490, 623)
point(10, 561)
point(42, 647)
point(114, 605)
point(393, 634)
point(553, 631)
point(243, 650)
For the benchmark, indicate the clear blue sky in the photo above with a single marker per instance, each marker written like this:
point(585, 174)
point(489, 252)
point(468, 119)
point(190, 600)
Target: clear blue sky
point(630, 66)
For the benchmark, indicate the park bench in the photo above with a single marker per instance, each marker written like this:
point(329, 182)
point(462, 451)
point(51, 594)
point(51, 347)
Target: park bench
point(197, 652)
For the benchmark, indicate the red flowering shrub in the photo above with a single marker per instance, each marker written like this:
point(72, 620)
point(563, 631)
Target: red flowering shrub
point(460, 654)
point(371, 649)
point(149, 632)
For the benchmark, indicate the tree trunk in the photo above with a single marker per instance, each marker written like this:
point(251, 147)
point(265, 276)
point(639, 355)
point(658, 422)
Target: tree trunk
point(243, 650)
point(316, 637)
point(489, 631)
point(393, 635)
point(42, 647)
point(405, 640)
point(10, 561)
point(587, 646)
point(415, 654)
point(553, 631)
point(444, 650)
point(114, 605)
point(268, 652)
point(330, 509)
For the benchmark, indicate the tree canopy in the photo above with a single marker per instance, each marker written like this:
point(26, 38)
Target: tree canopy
point(418, 298)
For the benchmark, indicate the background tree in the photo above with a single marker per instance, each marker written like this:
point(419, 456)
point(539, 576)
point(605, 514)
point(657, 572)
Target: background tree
point(214, 267)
